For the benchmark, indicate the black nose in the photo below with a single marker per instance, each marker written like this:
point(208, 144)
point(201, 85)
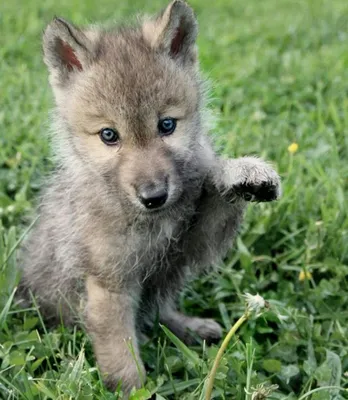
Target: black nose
point(153, 197)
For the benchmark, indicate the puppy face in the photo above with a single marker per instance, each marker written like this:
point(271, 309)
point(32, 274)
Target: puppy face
point(130, 100)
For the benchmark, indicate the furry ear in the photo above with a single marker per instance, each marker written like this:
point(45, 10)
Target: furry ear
point(174, 32)
point(66, 50)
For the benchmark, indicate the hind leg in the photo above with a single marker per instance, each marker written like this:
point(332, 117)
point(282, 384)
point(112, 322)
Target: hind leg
point(187, 328)
point(59, 308)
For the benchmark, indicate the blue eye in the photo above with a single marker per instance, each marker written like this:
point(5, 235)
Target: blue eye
point(166, 126)
point(109, 136)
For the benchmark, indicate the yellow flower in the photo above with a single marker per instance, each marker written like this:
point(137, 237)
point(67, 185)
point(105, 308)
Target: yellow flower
point(304, 275)
point(293, 148)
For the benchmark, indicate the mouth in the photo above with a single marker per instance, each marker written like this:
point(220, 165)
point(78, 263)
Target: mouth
point(156, 211)
point(165, 210)
point(162, 208)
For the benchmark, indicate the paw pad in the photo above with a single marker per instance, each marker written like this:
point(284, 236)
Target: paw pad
point(265, 191)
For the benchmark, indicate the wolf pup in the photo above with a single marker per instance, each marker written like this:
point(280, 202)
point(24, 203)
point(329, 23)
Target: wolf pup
point(139, 199)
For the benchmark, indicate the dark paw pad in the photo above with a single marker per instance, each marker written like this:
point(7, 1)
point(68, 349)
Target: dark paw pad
point(266, 191)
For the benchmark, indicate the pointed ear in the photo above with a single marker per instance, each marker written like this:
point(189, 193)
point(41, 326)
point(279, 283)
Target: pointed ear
point(174, 32)
point(66, 50)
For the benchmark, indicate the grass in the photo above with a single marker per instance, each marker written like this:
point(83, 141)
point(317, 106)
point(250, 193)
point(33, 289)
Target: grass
point(280, 75)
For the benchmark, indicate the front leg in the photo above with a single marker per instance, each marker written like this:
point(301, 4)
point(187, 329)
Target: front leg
point(248, 177)
point(215, 225)
point(111, 324)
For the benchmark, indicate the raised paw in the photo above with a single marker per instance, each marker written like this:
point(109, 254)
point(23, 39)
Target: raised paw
point(251, 179)
point(265, 191)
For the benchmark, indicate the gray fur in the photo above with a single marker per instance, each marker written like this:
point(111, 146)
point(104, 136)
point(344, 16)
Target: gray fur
point(96, 249)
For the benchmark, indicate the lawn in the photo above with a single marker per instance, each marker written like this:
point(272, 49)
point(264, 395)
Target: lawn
point(279, 75)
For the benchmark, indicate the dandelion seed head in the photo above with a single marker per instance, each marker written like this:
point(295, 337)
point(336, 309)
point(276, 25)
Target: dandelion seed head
point(261, 392)
point(256, 303)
